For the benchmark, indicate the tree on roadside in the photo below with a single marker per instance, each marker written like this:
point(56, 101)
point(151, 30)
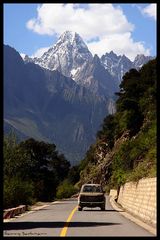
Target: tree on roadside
point(32, 170)
point(17, 187)
point(48, 167)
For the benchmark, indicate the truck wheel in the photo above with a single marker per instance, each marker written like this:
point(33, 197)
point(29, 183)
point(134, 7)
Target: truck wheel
point(79, 208)
point(103, 208)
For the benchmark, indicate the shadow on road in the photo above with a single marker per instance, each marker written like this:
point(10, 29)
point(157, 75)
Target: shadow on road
point(106, 210)
point(32, 225)
point(85, 210)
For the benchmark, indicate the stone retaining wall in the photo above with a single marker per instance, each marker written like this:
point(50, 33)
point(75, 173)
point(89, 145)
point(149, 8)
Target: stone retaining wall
point(140, 199)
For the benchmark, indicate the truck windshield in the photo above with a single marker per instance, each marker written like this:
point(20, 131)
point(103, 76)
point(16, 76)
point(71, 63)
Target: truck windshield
point(88, 188)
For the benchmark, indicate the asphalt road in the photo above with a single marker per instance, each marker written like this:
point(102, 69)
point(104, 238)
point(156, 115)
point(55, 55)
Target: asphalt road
point(63, 219)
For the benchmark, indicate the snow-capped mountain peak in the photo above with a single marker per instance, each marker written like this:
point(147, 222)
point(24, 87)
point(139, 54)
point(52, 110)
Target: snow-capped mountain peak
point(68, 35)
point(67, 55)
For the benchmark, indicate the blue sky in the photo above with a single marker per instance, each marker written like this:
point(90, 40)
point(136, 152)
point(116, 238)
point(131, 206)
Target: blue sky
point(16, 33)
point(128, 29)
point(145, 27)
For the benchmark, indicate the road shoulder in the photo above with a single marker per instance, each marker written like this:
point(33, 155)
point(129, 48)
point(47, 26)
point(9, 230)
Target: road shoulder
point(134, 219)
point(30, 209)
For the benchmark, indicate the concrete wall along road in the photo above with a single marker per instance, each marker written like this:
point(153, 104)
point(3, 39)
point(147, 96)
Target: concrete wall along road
point(140, 199)
point(11, 212)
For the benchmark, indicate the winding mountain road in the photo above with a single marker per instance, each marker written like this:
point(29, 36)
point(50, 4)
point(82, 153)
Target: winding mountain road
point(62, 218)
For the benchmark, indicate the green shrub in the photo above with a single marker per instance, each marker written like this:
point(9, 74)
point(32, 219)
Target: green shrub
point(17, 192)
point(121, 159)
point(118, 177)
point(74, 174)
point(65, 190)
point(142, 170)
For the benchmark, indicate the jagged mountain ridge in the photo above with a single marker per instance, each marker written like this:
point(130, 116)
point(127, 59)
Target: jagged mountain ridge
point(71, 56)
point(119, 65)
point(140, 60)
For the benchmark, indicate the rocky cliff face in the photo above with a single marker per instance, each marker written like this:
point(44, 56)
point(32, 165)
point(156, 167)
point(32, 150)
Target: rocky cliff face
point(99, 171)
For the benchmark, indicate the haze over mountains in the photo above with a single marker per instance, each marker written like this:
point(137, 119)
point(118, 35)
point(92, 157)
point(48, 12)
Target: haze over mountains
point(63, 96)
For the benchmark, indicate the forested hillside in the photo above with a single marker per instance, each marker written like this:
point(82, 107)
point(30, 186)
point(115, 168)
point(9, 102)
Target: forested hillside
point(125, 147)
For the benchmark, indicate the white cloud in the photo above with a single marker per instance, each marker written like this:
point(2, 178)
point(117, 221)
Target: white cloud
point(150, 10)
point(97, 19)
point(103, 21)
